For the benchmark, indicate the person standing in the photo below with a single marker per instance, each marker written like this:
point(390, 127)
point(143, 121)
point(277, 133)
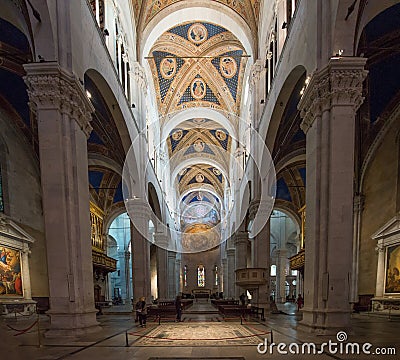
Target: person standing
point(178, 308)
point(141, 311)
point(299, 302)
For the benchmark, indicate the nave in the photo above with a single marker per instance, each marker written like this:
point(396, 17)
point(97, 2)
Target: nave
point(202, 334)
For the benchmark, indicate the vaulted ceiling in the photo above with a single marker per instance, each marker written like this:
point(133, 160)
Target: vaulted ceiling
point(146, 10)
point(197, 64)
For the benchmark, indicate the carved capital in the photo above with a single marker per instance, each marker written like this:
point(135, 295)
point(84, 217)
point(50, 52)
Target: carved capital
point(338, 84)
point(379, 248)
point(242, 237)
point(139, 75)
point(50, 87)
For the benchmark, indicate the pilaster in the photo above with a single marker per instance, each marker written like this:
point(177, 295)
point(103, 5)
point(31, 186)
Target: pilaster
point(64, 113)
point(328, 109)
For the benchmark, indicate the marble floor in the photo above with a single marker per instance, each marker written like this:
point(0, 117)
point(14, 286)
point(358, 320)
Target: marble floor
point(203, 335)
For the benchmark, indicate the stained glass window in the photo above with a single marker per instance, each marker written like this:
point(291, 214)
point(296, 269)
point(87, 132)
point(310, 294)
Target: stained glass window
point(1, 194)
point(201, 278)
point(185, 275)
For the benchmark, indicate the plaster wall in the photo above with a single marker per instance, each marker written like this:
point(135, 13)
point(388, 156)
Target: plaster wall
point(380, 188)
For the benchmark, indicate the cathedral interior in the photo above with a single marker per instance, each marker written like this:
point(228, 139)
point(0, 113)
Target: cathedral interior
point(236, 163)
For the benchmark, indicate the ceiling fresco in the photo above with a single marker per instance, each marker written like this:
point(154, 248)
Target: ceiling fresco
point(199, 138)
point(197, 64)
point(200, 175)
point(146, 10)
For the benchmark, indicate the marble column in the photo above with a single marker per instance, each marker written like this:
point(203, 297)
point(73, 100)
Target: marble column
point(380, 274)
point(358, 208)
point(178, 285)
point(140, 248)
point(172, 274)
point(282, 260)
point(230, 254)
point(241, 243)
point(161, 240)
point(122, 274)
point(261, 248)
point(26, 279)
point(223, 285)
point(257, 88)
point(328, 109)
point(127, 256)
point(63, 113)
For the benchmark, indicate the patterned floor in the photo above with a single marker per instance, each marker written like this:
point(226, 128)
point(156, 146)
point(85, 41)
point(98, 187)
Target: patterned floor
point(199, 334)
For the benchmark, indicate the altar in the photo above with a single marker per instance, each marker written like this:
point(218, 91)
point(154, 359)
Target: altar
point(387, 291)
point(15, 288)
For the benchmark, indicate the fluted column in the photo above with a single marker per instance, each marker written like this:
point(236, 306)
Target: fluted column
point(63, 113)
point(328, 109)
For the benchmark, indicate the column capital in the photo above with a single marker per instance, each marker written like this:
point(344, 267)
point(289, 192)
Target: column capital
point(51, 87)
point(264, 206)
point(340, 83)
point(139, 75)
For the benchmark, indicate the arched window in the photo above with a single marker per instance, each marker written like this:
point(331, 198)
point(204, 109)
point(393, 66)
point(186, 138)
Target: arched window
point(201, 276)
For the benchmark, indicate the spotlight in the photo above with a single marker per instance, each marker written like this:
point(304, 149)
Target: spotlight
point(88, 94)
point(133, 106)
point(105, 32)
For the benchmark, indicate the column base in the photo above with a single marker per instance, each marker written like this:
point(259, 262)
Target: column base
point(325, 322)
point(72, 325)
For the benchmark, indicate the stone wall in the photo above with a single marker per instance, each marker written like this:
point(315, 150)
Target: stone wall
point(23, 200)
point(380, 189)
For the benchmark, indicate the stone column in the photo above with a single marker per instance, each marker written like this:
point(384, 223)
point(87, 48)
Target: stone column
point(122, 274)
point(257, 88)
point(127, 256)
point(139, 89)
point(140, 248)
point(380, 274)
point(172, 274)
point(358, 207)
point(178, 285)
point(223, 286)
point(26, 279)
point(328, 109)
point(281, 263)
point(241, 243)
point(161, 240)
point(261, 248)
point(63, 113)
point(231, 273)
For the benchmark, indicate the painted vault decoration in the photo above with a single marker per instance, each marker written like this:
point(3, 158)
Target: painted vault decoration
point(197, 64)
point(249, 10)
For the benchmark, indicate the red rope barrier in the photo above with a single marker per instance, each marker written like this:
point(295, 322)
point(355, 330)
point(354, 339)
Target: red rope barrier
point(20, 332)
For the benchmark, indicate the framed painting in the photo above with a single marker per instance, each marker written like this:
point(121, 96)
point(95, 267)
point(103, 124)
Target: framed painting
point(392, 273)
point(10, 272)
